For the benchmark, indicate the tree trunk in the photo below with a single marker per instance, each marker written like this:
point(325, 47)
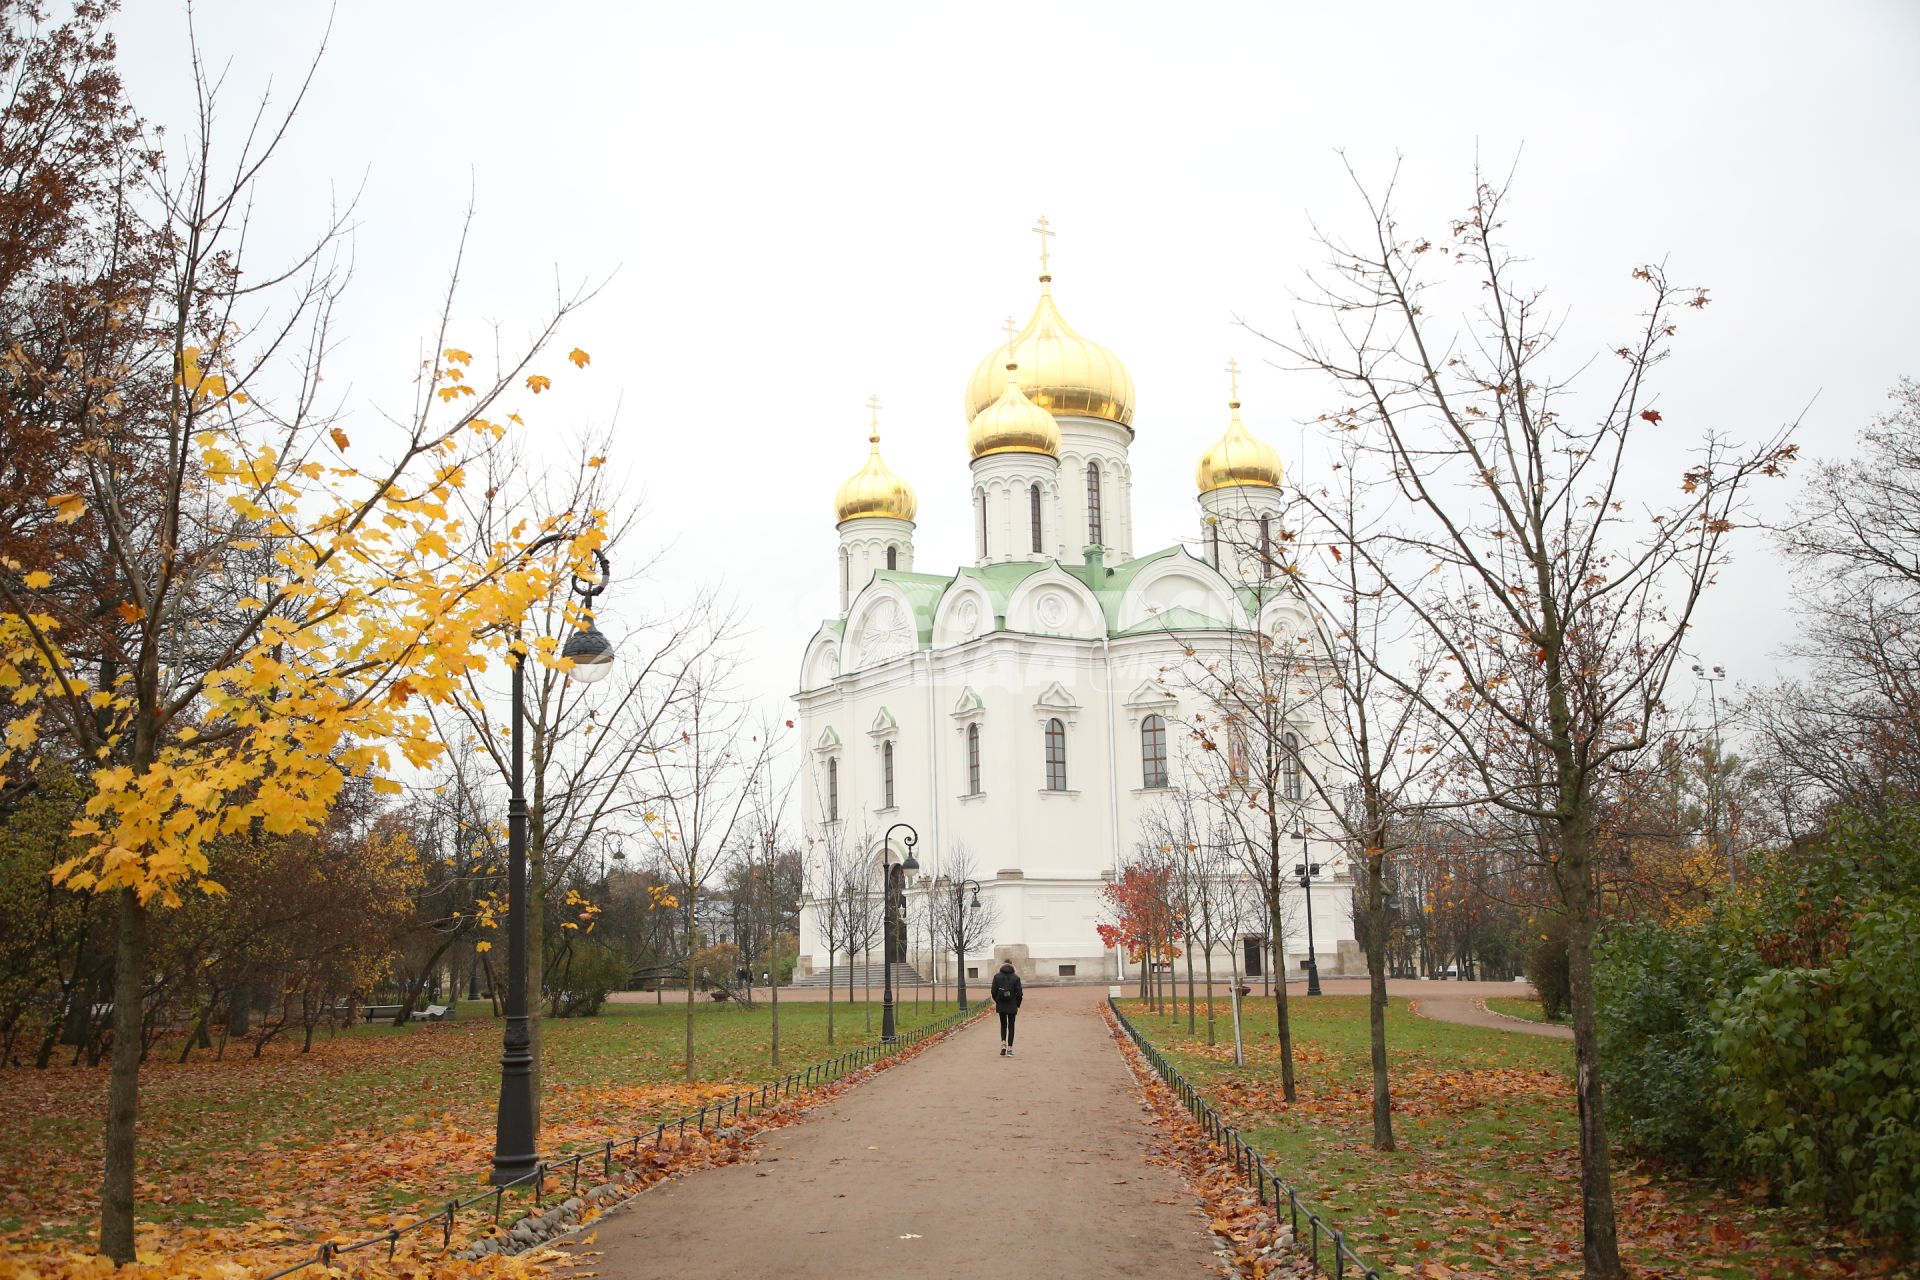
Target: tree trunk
point(123, 1087)
point(1287, 1089)
point(536, 942)
point(1209, 989)
point(240, 1009)
point(1377, 994)
point(773, 985)
point(1598, 1228)
point(1190, 1013)
point(692, 897)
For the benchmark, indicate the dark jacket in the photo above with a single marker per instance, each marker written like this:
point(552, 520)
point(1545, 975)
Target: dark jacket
point(1006, 989)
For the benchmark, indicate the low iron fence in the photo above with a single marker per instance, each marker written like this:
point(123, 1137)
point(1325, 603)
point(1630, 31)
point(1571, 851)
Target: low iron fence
point(569, 1166)
point(1250, 1164)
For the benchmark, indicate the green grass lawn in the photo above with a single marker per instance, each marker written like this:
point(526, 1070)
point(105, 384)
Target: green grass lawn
point(381, 1117)
point(1484, 1180)
point(1528, 1007)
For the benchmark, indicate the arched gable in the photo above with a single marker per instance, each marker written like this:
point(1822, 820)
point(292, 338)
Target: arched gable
point(1179, 591)
point(821, 665)
point(965, 612)
point(880, 627)
point(1055, 603)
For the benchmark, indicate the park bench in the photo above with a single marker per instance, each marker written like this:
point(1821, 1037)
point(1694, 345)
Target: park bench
point(435, 1013)
point(380, 1012)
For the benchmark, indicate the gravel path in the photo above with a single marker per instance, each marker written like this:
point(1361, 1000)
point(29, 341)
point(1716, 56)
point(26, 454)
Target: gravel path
point(960, 1163)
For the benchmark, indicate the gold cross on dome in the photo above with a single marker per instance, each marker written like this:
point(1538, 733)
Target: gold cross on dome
point(1233, 378)
point(1040, 229)
point(1011, 327)
point(873, 421)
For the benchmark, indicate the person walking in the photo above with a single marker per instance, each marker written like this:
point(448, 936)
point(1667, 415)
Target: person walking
point(1006, 1002)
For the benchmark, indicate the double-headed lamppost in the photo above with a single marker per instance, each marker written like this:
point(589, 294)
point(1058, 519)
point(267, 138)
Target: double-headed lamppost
point(514, 1157)
point(1307, 869)
point(960, 932)
point(908, 863)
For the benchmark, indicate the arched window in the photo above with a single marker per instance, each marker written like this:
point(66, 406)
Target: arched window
point(1033, 505)
point(893, 557)
point(1290, 766)
point(1213, 538)
point(1094, 532)
point(833, 791)
point(1056, 753)
point(973, 759)
point(1153, 751)
point(886, 774)
point(980, 520)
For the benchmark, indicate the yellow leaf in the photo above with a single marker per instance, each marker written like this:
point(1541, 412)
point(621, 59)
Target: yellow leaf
point(455, 355)
point(129, 611)
point(596, 463)
point(386, 787)
point(580, 358)
point(38, 580)
point(537, 383)
point(68, 507)
point(339, 438)
point(483, 945)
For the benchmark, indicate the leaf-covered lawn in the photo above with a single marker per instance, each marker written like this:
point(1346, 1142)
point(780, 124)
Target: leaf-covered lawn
point(379, 1119)
point(1485, 1180)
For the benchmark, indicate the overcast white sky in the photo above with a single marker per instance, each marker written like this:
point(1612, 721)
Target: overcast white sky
point(800, 205)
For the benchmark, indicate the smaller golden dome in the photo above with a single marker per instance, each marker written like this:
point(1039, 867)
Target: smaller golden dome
point(1013, 423)
point(874, 490)
point(1237, 458)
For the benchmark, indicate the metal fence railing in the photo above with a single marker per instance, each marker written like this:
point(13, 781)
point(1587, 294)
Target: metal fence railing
point(568, 1166)
point(1250, 1164)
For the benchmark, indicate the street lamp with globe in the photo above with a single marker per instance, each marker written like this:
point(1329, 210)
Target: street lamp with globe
point(515, 1136)
point(906, 864)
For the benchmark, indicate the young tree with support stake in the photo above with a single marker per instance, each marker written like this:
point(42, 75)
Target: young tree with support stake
point(1556, 608)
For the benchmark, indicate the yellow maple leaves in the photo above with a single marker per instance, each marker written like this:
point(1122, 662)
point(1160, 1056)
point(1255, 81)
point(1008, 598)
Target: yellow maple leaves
point(537, 383)
point(67, 507)
point(580, 358)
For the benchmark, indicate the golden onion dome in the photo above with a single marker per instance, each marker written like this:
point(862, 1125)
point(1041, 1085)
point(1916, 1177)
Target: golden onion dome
point(1238, 458)
point(1012, 423)
point(1060, 371)
point(874, 490)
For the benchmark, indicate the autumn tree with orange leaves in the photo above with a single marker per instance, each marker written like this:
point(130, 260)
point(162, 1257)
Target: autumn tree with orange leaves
point(248, 609)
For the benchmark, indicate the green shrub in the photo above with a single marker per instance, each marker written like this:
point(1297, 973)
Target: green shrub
point(592, 973)
point(1821, 1068)
point(1654, 990)
point(1547, 964)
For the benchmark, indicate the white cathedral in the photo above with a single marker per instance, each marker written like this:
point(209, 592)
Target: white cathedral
point(1019, 709)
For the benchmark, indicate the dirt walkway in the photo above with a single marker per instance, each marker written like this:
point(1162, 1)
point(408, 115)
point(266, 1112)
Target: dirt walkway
point(960, 1163)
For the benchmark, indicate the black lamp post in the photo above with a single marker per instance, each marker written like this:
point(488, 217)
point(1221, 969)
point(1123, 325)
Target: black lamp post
point(960, 932)
point(908, 863)
point(1712, 761)
point(1307, 869)
point(515, 1139)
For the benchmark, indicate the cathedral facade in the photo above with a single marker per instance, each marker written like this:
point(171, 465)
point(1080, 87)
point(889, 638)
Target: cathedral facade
point(1024, 713)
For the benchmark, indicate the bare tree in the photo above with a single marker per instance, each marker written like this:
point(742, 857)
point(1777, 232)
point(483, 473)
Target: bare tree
point(703, 787)
point(1558, 610)
point(960, 920)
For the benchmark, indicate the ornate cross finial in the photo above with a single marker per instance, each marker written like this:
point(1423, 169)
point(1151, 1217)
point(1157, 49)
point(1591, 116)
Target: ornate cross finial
point(1040, 229)
point(1011, 327)
point(1233, 380)
point(873, 422)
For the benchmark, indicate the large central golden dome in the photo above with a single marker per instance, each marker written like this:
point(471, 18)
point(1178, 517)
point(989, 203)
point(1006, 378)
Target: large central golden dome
point(1059, 370)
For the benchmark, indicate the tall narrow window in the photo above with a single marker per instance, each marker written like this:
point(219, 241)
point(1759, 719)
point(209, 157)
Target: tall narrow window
point(1033, 505)
point(846, 574)
point(1093, 506)
point(1266, 540)
point(973, 759)
point(1056, 755)
point(833, 791)
point(886, 774)
point(1213, 537)
point(1290, 766)
point(980, 521)
point(893, 557)
point(1153, 751)
point(1237, 754)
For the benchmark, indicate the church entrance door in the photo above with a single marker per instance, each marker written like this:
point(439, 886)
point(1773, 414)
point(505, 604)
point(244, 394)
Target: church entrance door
point(1254, 950)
